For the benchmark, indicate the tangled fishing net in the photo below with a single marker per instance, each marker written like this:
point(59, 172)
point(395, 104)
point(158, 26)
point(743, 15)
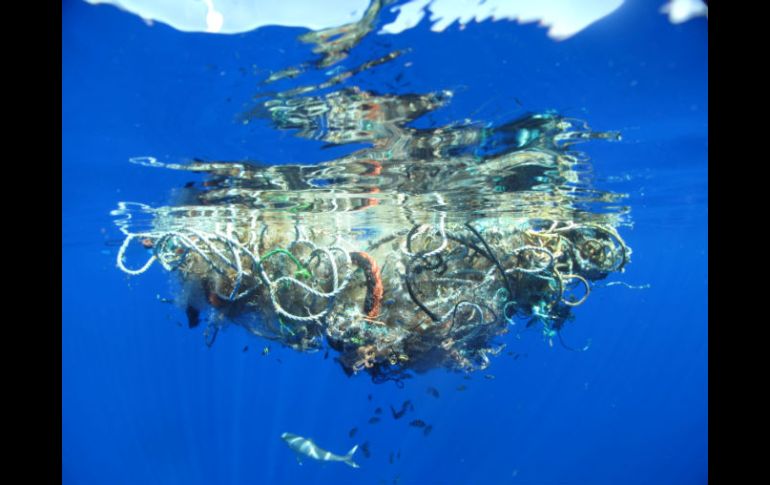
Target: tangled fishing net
point(428, 296)
point(418, 252)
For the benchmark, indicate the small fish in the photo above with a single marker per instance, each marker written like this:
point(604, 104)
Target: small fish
point(391, 458)
point(305, 446)
point(467, 377)
point(417, 423)
point(489, 377)
point(427, 430)
point(433, 392)
point(369, 397)
point(279, 361)
point(378, 411)
point(189, 185)
point(406, 406)
point(266, 350)
point(352, 432)
point(374, 420)
point(365, 450)
point(462, 387)
point(246, 349)
point(326, 354)
point(399, 454)
point(396, 414)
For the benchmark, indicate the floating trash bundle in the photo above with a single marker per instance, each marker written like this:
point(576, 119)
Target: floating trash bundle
point(416, 253)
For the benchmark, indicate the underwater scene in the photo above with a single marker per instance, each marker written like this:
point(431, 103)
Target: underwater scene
point(384, 242)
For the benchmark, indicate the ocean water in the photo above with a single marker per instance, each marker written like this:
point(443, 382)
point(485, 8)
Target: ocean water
point(146, 400)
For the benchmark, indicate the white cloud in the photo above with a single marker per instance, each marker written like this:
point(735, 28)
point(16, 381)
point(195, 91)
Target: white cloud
point(683, 10)
point(214, 19)
point(236, 16)
point(410, 15)
point(564, 18)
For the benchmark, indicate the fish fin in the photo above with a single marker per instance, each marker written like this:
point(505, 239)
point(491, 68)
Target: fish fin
point(349, 458)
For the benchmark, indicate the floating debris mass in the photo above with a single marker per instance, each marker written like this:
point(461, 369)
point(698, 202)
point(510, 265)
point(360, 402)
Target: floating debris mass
point(418, 252)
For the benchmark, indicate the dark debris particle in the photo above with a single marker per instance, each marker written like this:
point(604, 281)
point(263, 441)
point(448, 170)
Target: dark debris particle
point(193, 316)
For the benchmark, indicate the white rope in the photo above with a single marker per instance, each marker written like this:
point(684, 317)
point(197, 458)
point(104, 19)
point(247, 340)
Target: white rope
point(421, 230)
point(121, 254)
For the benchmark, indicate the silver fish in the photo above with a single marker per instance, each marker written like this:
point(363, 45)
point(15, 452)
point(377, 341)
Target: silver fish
point(305, 446)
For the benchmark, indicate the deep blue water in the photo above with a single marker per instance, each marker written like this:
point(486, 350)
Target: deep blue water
point(145, 401)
